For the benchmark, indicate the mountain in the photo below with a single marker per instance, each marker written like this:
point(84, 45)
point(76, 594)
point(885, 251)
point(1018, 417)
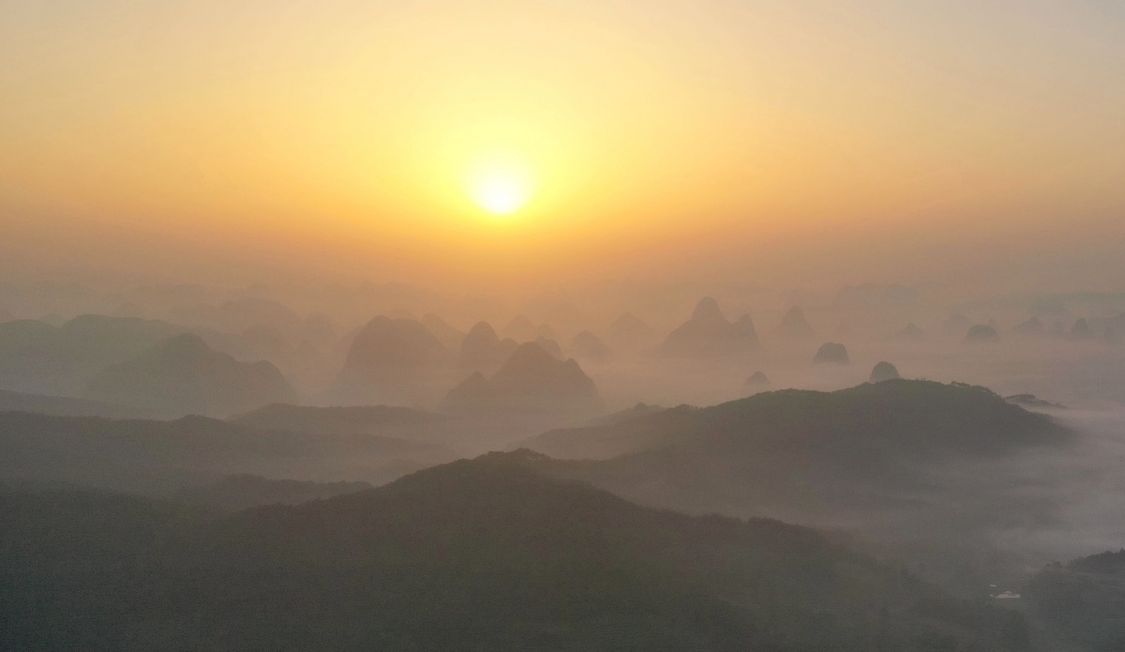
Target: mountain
point(550, 346)
point(1033, 401)
point(530, 380)
point(1081, 330)
point(603, 440)
point(982, 334)
point(391, 361)
point(347, 420)
point(38, 358)
point(794, 325)
point(449, 336)
point(162, 456)
point(1032, 327)
point(758, 379)
point(1083, 601)
point(482, 350)
point(831, 353)
point(638, 410)
point(883, 371)
point(910, 333)
point(62, 406)
point(821, 457)
point(473, 555)
point(520, 329)
point(243, 491)
point(588, 346)
point(629, 332)
point(545, 332)
point(250, 311)
point(709, 333)
point(182, 375)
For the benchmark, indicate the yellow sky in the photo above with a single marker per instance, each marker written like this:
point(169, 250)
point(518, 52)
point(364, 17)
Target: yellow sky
point(345, 129)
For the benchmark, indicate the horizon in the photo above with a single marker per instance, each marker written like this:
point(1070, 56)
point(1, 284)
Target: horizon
point(794, 145)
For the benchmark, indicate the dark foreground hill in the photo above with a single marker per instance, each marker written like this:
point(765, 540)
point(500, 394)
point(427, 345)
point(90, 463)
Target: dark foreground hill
point(1084, 601)
point(474, 555)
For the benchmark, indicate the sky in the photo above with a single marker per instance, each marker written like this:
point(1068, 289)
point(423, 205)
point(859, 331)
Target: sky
point(785, 142)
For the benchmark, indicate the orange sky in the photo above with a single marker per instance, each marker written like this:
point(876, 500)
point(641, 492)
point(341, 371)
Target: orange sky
point(341, 136)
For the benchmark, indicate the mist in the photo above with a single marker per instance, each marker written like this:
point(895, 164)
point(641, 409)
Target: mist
point(485, 325)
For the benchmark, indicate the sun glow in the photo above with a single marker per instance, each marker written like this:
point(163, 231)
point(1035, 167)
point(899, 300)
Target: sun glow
point(500, 187)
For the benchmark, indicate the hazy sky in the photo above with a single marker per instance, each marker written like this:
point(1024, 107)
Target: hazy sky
point(788, 141)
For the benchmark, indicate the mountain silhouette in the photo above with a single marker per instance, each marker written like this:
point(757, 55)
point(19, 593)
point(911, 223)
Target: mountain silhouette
point(550, 346)
point(758, 379)
point(36, 357)
point(794, 325)
point(63, 406)
point(588, 346)
point(1080, 601)
point(709, 333)
point(831, 353)
point(910, 333)
point(520, 329)
point(449, 336)
point(1032, 327)
point(160, 457)
point(530, 380)
point(182, 375)
point(391, 361)
point(1081, 330)
point(482, 350)
point(473, 555)
point(629, 332)
point(982, 334)
point(813, 455)
point(883, 371)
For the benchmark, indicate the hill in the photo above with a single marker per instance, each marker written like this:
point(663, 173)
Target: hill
point(1083, 601)
point(183, 375)
point(242, 491)
point(344, 420)
point(531, 380)
point(822, 457)
point(629, 332)
point(166, 456)
point(482, 350)
point(708, 332)
point(794, 325)
point(473, 555)
point(62, 406)
point(391, 361)
point(38, 358)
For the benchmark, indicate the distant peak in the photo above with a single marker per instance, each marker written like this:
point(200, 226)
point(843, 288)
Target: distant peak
point(707, 310)
point(482, 328)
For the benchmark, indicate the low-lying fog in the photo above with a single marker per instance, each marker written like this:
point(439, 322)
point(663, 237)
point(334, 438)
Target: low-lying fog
point(487, 391)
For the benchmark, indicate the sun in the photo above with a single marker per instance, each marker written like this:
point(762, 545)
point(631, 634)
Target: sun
point(501, 188)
